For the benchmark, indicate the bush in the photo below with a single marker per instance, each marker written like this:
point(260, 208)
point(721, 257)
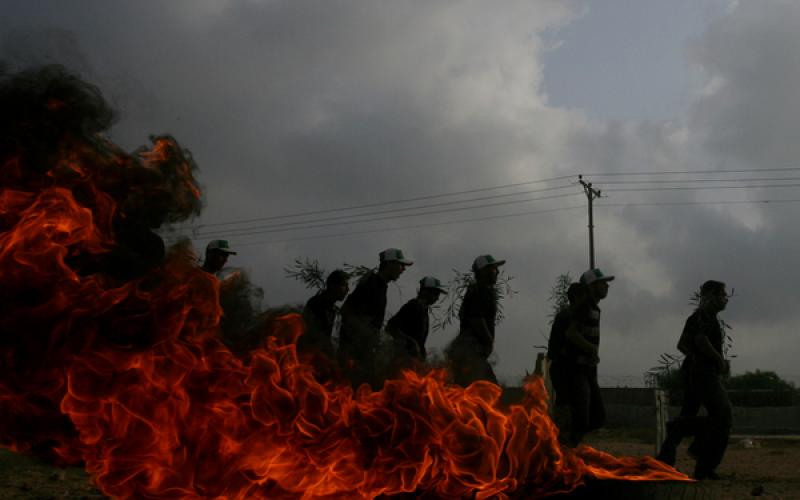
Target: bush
point(759, 380)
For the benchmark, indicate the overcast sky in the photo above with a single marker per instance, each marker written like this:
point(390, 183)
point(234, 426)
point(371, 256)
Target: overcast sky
point(294, 106)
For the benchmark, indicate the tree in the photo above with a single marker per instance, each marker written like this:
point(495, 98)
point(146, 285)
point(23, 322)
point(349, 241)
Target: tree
point(759, 380)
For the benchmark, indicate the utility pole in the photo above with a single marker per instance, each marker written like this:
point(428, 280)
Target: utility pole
point(591, 194)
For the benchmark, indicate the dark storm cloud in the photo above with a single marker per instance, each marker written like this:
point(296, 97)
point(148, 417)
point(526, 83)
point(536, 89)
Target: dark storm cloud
point(745, 118)
point(293, 106)
point(752, 113)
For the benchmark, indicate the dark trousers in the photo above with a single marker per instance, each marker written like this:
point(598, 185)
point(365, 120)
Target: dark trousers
point(578, 393)
point(469, 361)
point(711, 432)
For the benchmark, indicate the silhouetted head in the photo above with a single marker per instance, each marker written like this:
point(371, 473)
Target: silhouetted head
point(392, 263)
point(713, 295)
point(596, 283)
point(486, 269)
point(217, 253)
point(338, 284)
point(576, 293)
point(430, 289)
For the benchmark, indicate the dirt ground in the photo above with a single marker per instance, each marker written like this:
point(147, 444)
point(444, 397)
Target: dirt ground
point(769, 466)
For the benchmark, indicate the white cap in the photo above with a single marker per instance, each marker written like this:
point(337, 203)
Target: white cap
point(432, 283)
point(220, 246)
point(593, 275)
point(485, 260)
point(394, 254)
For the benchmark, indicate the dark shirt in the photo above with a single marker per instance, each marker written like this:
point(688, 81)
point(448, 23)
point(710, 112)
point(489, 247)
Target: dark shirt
point(480, 302)
point(320, 314)
point(557, 343)
point(588, 319)
point(706, 324)
point(412, 321)
point(365, 307)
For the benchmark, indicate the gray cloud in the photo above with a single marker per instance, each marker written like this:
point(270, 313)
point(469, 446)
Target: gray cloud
point(292, 106)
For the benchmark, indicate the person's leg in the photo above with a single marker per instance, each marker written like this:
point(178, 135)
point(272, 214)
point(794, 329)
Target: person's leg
point(718, 426)
point(488, 371)
point(687, 423)
point(597, 410)
point(559, 375)
point(690, 408)
point(580, 392)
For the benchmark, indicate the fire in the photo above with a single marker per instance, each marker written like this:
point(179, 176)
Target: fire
point(124, 371)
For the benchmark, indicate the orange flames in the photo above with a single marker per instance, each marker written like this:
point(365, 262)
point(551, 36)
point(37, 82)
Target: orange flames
point(129, 377)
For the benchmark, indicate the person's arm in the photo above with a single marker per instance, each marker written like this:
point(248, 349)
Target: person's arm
point(313, 324)
point(704, 348)
point(405, 340)
point(478, 325)
point(577, 339)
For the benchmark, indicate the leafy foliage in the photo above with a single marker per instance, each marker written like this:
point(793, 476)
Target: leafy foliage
point(558, 295)
point(308, 272)
point(313, 276)
point(357, 271)
point(759, 380)
point(666, 374)
point(457, 287)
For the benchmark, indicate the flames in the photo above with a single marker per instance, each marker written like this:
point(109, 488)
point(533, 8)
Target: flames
point(109, 354)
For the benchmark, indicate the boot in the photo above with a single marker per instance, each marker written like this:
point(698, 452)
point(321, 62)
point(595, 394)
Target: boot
point(669, 447)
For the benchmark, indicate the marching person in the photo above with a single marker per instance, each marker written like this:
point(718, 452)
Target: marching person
point(470, 350)
point(703, 369)
point(320, 312)
point(217, 253)
point(410, 325)
point(562, 355)
point(587, 412)
point(362, 318)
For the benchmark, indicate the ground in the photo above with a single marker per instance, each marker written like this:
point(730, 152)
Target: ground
point(768, 465)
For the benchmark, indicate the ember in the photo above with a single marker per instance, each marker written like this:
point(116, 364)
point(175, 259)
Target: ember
point(109, 354)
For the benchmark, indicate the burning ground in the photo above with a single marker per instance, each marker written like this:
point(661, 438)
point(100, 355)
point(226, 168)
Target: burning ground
point(110, 355)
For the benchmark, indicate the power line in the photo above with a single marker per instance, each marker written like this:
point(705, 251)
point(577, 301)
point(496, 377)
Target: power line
point(304, 224)
point(692, 172)
point(697, 188)
point(721, 202)
point(518, 214)
point(374, 219)
point(664, 181)
point(352, 217)
point(391, 202)
point(395, 210)
point(402, 228)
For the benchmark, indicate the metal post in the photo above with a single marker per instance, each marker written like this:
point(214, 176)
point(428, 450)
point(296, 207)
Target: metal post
point(591, 194)
point(662, 415)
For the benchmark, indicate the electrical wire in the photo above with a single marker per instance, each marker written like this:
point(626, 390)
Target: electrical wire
point(394, 210)
point(247, 232)
point(416, 226)
point(391, 202)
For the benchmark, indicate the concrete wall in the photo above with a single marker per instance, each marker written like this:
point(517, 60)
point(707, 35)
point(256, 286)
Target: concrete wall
point(746, 420)
point(635, 408)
